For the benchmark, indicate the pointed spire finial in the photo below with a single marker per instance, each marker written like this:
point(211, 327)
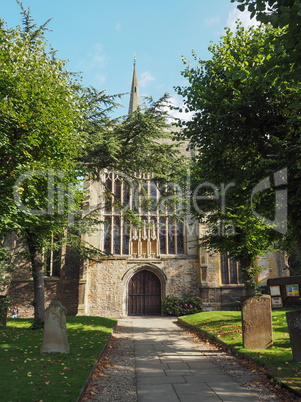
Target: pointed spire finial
point(135, 98)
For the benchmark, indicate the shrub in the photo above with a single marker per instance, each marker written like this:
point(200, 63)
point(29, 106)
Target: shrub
point(185, 305)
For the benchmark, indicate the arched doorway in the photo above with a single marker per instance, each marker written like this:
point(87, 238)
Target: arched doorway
point(144, 294)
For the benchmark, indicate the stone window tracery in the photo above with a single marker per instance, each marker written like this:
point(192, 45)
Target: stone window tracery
point(156, 231)
point(230, 271)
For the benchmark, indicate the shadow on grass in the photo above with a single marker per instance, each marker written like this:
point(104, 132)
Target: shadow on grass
point(25, 374)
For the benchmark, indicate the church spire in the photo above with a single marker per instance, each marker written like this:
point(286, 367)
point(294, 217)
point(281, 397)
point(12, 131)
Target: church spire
point(135, 98)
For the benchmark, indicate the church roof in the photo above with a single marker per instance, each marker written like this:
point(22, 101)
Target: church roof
point(135, 98)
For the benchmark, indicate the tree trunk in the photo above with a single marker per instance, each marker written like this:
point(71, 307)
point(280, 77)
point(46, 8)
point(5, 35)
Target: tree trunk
point(248, 276)
point(38, 282)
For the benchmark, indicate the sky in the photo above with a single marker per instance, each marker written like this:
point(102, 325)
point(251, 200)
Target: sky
point(101, 37)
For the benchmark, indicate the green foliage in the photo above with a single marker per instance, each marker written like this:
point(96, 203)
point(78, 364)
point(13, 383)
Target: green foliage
point(54, 133)
point(244, 131)
point(281, 13)
point(277, 359)
point(41, 116)
point(178, 306)
point(25, 374)
point(141, 141)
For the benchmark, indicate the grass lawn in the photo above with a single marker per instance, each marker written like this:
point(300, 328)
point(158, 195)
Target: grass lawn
point(277, 359)
point(26, 375)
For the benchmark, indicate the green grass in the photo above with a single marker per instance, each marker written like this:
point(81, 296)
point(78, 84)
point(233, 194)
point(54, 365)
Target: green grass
point(277, 359)
point(26, 375)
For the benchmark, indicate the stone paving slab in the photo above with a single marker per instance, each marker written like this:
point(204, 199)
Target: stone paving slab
point(227, 388)
point(220, 378)
point(177, 372)
point(192, 389)
point(158, 393)
point(151, 364)
point(162, 380)
point(199, 398)
point(177, 366)
point(170, 360)
point(170, 368)
point(150, 373)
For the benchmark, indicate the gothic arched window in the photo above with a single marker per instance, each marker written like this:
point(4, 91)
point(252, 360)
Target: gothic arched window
point(157, 228)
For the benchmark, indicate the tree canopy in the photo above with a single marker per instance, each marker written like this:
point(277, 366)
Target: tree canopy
point(41, 118)
point(54, 132)
point(141, 141)
point(245, 131)
point(284, 14)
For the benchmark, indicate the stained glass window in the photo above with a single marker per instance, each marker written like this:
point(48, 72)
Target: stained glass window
point(171, 238)
point(157, 232)
point(230, 271)
point(162, 236)
point(180, 238)
point(107, 236)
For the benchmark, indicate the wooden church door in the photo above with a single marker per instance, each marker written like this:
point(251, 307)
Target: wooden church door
point(144, 294)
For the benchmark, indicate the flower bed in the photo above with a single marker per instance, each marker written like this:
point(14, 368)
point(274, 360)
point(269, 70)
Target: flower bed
point(184, 305)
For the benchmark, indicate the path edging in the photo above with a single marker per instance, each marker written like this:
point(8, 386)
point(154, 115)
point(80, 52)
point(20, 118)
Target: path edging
point(84, 388)
point(205, 334)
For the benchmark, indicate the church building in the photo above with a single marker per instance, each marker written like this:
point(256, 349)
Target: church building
point(160, 259)
point(144, 265)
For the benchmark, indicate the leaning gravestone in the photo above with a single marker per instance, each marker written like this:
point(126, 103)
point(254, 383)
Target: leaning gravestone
point(256, 315)
point(293, 319)
point(55, 332)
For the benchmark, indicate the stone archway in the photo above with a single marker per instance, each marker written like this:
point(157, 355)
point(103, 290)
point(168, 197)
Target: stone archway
point(144, 287)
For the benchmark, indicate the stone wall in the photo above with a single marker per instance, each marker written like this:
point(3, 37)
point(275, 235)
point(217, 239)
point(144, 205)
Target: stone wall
point(21, 292)
point(64, 290)
point(182, 276)
point(100, 289)
point(217, 296)
point(107, 282)
point(272, 266)
point(222, 298)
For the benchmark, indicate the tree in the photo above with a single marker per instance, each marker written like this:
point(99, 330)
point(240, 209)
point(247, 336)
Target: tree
point(280, 13)
point(41, 119)
point(244, 131)
point(54, 133)
point(141, 141)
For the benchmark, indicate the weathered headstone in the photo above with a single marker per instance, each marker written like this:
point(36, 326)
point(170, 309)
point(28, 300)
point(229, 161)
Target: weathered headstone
point(55, 331)
point(294, 327)
point(256, 315)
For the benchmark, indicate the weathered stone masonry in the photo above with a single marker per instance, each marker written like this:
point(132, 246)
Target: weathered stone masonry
point(106, 284)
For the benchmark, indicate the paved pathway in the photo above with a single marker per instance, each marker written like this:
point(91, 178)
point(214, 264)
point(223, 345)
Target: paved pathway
point(169, 367)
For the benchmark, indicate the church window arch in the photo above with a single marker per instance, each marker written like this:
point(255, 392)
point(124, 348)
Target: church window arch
point(158, 230)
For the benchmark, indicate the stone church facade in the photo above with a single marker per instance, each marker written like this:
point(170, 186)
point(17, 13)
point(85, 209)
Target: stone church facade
point(159, 259)
point(144, 265)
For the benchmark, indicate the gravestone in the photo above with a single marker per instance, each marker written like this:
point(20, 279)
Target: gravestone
point(256, 316)
point(55, 332)
point(293, 319)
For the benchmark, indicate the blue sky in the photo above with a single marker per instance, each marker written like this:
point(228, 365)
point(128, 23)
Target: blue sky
point(100, 37)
